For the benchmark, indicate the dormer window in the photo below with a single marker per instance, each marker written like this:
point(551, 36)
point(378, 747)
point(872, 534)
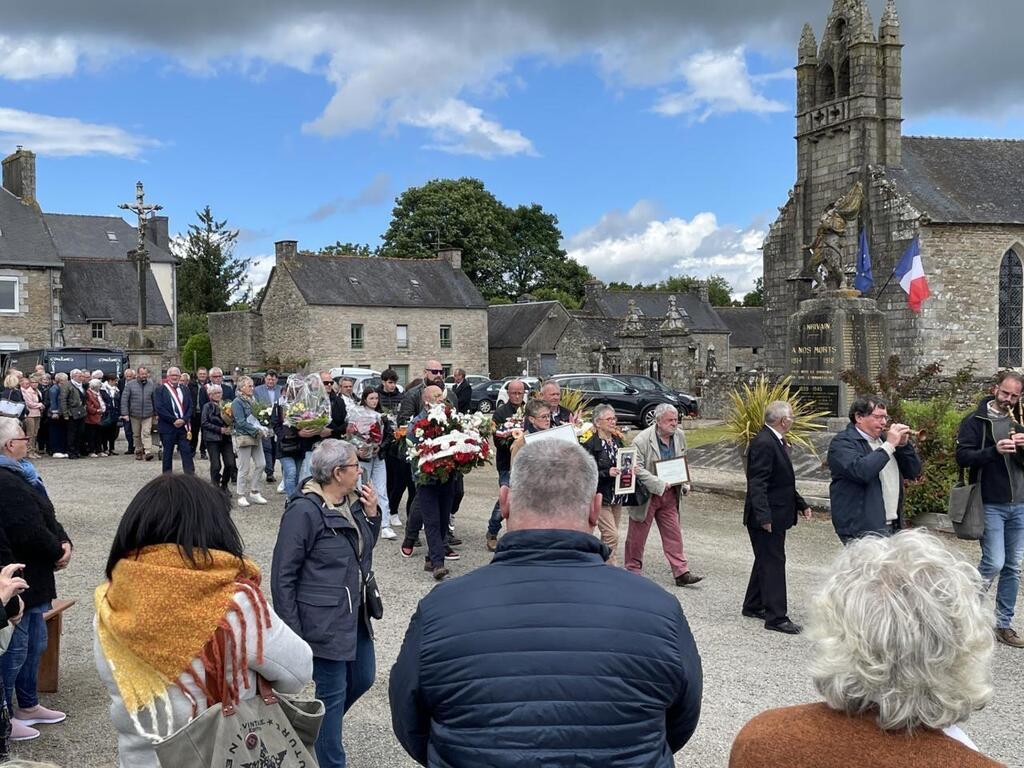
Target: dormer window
point(415, 283)
point(354, 280)
point(112, 236)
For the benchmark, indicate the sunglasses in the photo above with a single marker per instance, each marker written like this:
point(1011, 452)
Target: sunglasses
point(327, 382)
point(434, 370)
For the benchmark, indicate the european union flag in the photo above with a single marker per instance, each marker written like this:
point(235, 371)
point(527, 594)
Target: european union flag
point(864, 281)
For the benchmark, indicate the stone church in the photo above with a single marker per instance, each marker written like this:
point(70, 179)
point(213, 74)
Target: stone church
point(962, 198)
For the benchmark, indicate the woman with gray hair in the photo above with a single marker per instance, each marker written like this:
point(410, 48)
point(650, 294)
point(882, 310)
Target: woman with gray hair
point(321, 578)
point(902, 652)
point(248, 444)
point(604, 446)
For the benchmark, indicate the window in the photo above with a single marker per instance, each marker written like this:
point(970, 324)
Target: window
point(446, 337)
point(99, 331)
point(402, 371)
point(1011, 293)
point(112, 236)
point(611, 386)
point(402, 336)
point(755, 349)
point(357, 335)
point(9, 298)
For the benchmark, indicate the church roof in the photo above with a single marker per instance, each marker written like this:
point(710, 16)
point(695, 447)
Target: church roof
point(98, 237)
point(96, 289)
point(511, 325)
point(746, 324)
point(963, 181)
point(24, 239)
point(699, 315)
point(381, 282)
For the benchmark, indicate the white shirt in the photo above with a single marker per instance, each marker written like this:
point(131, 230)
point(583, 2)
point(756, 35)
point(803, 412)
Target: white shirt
point(889, 477)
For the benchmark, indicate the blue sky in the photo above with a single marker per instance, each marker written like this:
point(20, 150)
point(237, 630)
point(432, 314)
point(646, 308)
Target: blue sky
point(660, 135)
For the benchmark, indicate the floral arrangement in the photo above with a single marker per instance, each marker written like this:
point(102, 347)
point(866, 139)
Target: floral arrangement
point(369, 431)
point(512, 428)
point(445, 442)
point(262, 412)
point(306, 404)
point(226, 414)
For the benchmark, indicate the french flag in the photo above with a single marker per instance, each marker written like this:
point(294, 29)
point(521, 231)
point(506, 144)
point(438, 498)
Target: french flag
point(910, 274)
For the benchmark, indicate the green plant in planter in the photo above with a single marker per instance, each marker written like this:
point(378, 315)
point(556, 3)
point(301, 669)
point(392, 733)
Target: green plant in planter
point(939, 420)
point(746, 417)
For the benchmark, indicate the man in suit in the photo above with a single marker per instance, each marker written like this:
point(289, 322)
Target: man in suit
point(770, 509)
point(462, 390)
point(268, 394)
point(173, 406)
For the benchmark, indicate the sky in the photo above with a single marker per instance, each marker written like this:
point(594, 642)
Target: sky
point(659, 132)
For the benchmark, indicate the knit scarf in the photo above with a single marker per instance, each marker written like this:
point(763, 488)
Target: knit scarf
point(27, 470)
point(159, 612)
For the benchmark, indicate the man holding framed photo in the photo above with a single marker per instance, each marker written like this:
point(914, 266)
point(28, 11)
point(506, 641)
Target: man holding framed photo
point(661, 469)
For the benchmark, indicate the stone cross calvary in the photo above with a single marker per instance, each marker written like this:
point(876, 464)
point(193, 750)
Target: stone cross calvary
point(140, 255)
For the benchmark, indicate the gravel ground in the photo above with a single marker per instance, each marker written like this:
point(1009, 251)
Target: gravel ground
point(746, 668)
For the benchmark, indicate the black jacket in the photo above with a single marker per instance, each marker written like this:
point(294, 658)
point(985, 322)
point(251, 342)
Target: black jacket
point(503, 446)
point(546, 657)
point(771, 484)
point(211, 420)
point(605, 482)
point(976, 451)
point(317, 572)
point(463, 395)
point(29, 534)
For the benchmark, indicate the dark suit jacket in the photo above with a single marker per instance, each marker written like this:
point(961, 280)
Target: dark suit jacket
point(771, 484)
point(463, 395)
point(165, 415)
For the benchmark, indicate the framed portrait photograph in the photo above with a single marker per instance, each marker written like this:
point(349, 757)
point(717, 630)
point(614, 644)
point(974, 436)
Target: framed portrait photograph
point(565, 433)
point(625, 481)
point(673, 471)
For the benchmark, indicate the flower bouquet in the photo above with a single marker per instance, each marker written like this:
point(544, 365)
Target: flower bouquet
point(262, 412)
point(369, 431)
point(443, 443)
point(306, 404)
point(512, 428)
point(226, 414)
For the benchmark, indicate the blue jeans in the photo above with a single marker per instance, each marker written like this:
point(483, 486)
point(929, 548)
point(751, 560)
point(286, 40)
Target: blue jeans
point(376, 474)
point(1002, 546)
point(290, 473)
point(21, 661)
point(494, 524)
point(339, 684)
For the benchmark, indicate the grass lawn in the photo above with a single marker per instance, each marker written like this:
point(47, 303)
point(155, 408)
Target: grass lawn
point(705, 435)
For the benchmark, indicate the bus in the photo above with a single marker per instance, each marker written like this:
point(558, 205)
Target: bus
point(65, 359)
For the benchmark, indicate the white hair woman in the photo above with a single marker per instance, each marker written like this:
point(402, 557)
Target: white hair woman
point(248, 444)
point(901, 653)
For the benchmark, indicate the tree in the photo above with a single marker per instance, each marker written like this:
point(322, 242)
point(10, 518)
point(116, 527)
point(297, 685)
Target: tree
point(210, 276)
point(719, 290)
point(197, 352)
point(755, 298)
point(569, 300)
point(349, 249)
point(189, 324)
point(538, 262)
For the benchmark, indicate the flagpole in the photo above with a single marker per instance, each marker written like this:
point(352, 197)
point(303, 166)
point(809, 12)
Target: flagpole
point(885, 285)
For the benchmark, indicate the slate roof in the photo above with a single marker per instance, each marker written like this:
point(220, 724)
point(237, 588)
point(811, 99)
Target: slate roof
point(746, 324)
point(359, 282)
point(602, 330)
point(510, 325)
point(701, 315)
point(81, 237)
point(107, 290)
point(24, 239)
point(975, 181)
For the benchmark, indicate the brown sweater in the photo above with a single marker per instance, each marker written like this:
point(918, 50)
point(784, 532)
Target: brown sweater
point(815, 736)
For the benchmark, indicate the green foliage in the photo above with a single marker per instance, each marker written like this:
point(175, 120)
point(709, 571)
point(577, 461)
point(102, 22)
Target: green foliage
point(746, 417)
point(197, 352)
point(939, 420)
point(569, 301)
point(573, 400)
point(719, 289)
point(755, 298)
point(189, 324)
point(349, 249)
point(210, 276)
point(500, 300)
point(894, 387)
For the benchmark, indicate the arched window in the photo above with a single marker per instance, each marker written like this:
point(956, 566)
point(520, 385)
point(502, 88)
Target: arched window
point(1011, 298)
point(844, 79)
point(826, 84)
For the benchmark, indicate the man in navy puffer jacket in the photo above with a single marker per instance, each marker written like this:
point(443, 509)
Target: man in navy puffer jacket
point(547, 656)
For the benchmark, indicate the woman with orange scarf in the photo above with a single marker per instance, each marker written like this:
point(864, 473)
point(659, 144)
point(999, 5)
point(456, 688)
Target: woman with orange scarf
point(181, 622)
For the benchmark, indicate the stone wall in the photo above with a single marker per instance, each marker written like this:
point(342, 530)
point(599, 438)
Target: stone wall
point(31, 326)
point(286, 320)
point(159, 338)
point(745, 358)
point(577, 351)
point(236, 339)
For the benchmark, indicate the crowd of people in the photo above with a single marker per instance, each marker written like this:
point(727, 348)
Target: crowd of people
point(596, 667)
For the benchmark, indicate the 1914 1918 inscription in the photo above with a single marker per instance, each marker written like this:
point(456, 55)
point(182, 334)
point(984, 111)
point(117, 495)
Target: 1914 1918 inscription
point(813, 352)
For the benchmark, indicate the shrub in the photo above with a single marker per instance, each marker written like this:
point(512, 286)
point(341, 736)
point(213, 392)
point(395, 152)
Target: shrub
point(197, 352)
point(939, 419)
point(746, 416)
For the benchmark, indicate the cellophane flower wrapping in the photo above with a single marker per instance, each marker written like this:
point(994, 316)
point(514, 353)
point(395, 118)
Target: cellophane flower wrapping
point(305, 403)
point(369, 431)
point(512, 428)
point(444, 442)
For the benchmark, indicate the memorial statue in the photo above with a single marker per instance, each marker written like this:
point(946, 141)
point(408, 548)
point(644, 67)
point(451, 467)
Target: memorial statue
point(825, 263)
point(710, 366)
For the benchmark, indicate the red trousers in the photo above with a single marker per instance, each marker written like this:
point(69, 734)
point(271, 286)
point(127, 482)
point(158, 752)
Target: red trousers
point(663, 510)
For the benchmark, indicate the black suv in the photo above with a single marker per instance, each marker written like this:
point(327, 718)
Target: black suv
point(630, 403)
point(688, 404)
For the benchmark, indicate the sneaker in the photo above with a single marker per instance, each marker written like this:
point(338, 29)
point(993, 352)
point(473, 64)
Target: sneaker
point(280, 487)
point(492, 543)
point(428, 566)
point(387, 533)
point(94, 455)
point(257, 498)
point(271, 478)
point(21, 732)
point(243, 502)
point(453, 540)
point(60, 455)
point(1007, 636)
point(396, 521)
point(39, 715)
point(440, 573)
point(149, 457)
point(406, 550)
point(451, 554)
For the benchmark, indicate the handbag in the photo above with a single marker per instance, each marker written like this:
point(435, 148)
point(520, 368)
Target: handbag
point(371, 597)
point(245, 441)
point(267, 729)
point(966, 508)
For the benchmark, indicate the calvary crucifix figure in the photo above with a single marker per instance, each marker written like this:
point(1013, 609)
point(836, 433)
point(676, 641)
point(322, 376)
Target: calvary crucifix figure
point(140, 255)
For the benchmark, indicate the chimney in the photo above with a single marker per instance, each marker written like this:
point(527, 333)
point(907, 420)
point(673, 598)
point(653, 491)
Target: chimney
point(20, 175)
point(285, 249)
point(156, 231)
point(526, 298)
point(592, 287)
point(452, 255)
point(703, 291)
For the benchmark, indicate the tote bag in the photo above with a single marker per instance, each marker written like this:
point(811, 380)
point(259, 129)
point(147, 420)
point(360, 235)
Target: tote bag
point(966, 509)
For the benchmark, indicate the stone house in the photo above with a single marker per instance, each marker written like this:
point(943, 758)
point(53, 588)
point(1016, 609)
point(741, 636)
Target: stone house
point(65, 280)
point(522, 337)
point(746, 337)
point(960, 197)
point(321, 311)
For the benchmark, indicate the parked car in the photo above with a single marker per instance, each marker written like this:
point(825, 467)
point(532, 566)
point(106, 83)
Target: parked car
point(630, 403)
point(532, 385)
point(688, 404)
point(484, 396)
point(472, 378)
point(363, 378)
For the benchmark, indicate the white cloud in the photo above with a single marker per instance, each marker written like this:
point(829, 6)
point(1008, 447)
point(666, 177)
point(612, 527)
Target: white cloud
point(460, 129)
point(376, 192)
point(50, 135)
point(259, 272)
point(717, 82)
point(658, 248)
point(30, 58)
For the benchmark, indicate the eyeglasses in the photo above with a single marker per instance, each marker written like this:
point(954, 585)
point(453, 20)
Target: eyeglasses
point(19, 439)
point(545, 417)
point(346, 466)
point(435, 371)
point(327, 382)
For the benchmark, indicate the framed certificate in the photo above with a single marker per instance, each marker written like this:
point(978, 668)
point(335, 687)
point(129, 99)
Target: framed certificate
point(564, 433)
point(625, 481)
point(673, 471)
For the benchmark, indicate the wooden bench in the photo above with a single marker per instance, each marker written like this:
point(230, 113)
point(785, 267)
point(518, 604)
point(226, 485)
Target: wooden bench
point(49, 662)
